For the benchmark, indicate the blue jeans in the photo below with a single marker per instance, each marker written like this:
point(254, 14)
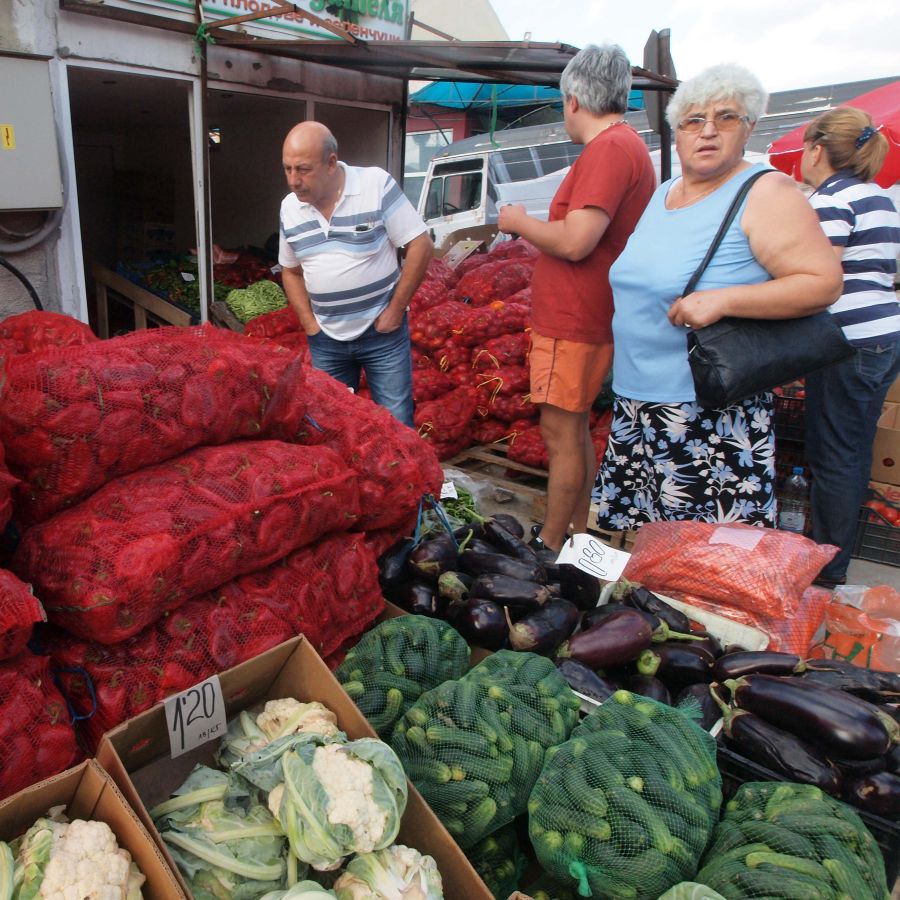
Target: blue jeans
point(843, 404)
point(386, 359)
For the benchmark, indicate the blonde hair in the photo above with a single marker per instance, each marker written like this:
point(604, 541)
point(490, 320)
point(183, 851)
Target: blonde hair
point(850, 141)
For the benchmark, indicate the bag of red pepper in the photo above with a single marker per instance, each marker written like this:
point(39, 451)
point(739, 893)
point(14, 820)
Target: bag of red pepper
point(448, 417)
point(327, 591)
point(19, 610)
point(439, 271)
point(431, 328)
point(490, 431)
point(147, 542)
point(7, 484)
point(428, 294)
point(517, 248)
point(36, 739)
point(506, 350)
point(527, 447)
point(510, 407)
point(73, 419)
point(394, 467)
point(494, 281)
point(429, 382)
point(272, 324)
point(40, 330)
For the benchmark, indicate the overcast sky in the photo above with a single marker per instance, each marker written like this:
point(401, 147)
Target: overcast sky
point(787, 43)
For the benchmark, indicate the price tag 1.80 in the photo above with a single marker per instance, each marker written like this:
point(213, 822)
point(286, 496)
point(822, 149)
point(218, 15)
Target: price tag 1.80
point(594, 557)
point(195, 716)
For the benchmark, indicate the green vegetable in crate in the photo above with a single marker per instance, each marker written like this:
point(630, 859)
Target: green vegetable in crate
point(499, 861)
point(474, 747)
point(258, 727)
point(339, 799)
point(690, 890)
point(224, 842)
point(259, 298)
point(547, 888)
point(625, 807)
point(395, 873)
point(396, 662)
point(782, 839)
point(304, 890)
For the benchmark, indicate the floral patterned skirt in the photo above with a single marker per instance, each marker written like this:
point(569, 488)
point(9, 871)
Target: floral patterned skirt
point(672, 461)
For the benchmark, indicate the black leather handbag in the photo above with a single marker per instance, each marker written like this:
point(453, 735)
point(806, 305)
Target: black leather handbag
point(736, 358)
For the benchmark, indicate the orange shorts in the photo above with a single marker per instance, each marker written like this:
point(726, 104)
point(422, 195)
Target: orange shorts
point(567, 374)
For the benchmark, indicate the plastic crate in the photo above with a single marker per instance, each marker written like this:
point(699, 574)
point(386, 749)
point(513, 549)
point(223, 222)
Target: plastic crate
point(877, 540)
point(790, 419)
point(736, 770)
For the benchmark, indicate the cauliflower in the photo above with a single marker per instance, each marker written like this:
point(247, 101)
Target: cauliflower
point(78, 860)
point(395, 873)
point(289, 716)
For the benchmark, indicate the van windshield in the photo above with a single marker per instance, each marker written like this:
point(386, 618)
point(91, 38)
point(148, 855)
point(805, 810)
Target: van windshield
point(454, 187)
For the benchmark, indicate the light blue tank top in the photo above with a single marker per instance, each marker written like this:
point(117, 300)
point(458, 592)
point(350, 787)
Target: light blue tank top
point(661, 255)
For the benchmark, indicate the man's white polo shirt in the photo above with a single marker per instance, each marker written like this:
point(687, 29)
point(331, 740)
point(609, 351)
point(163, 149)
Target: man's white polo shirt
point(350, 264)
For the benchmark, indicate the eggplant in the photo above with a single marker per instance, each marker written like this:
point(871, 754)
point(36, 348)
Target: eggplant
point(434, 556)
point(640, 598)
point(872, 679)
point(892, 759)
point(469, 532)
point(616, 640)
point(480, 622)
point(839, 723)
point(648, 686)
point(474, 563)
point(856, 768)
point(878, 793)
point(591, 617)
point(586, 681)
point(545, 629)
point(392, 563)
point(708, 642)
point(699, 698)
point(734, 665)
point(510, 523)
point(734, 648)
point(677, 664)
point(510, 591)
point(779, 750)
point(454, 586)
point(420, 598)
point(582, 588)
point(479, 545)
point(508, 543)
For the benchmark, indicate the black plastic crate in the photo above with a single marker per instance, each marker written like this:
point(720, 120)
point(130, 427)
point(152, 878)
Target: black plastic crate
point(790, 418)
point(877, 540)
point(736, 770)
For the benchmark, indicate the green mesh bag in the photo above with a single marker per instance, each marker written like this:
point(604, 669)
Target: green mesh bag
point(780, 839)
point(396, 662)
point(625, 808)
point(474, 747)
point(499, 861)
point(547, 888)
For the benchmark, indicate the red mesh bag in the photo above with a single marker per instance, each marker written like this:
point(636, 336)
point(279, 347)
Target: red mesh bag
point(7, 484)
point(527, 447)
point(759, 570)
point(452, 354)
point(36, 739)
point(19, 610)
point(273, 324)
point(492, 321)
point(507, 380)
point(490, 431)
point(511, 407)
point(447, 418)
point(431, 328)
point(506, 350)
point(469, 264)
point(147, 542)
point(40, 330)
point(73, 419)
point(523, 297)
point(296, 342)
point(328, 592)
point(428, 294)
point(429, 383)
point(438, 270)
point(393, 465)
point(494, 281)
point(448, 449)
point(515, 249)
point(463, 374)
point(600, 434)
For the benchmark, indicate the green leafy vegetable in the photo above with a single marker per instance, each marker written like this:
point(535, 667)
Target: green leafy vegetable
point(261, 297)
point(395, 873)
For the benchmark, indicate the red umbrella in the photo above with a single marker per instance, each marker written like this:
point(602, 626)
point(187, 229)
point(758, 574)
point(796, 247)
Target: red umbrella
point(882, 104)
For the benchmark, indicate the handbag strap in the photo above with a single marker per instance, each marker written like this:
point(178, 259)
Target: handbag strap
point(720, 234)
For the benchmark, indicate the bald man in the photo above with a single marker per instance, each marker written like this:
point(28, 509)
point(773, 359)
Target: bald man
point(341, 227)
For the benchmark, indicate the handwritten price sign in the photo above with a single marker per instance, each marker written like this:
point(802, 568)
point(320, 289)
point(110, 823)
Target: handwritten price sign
point(195, 716)
point(594, 557)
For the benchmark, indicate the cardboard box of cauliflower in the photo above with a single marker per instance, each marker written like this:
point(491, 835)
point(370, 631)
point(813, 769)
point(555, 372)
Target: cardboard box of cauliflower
point(137, 755)
point(84, 849)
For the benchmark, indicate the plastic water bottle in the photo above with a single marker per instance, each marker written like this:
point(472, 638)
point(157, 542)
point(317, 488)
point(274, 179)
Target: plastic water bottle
point(792, 505)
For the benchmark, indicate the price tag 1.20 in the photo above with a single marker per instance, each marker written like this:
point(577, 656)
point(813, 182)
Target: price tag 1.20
point(594, 557)
point(195, 716)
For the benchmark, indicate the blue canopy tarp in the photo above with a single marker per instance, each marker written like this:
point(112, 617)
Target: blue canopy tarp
point(478, 95)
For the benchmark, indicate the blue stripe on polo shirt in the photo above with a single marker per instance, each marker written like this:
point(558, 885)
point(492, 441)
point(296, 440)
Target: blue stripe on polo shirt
point(860, 285)
point(834, 215)
point(376, 286)
point(862, 266)
point(867, 313)
point(880, 234)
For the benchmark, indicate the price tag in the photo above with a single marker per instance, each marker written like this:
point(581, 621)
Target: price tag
point(195, 716)
point(589, 554)
point(448, 490)
point(187, 276)
point(745, 538)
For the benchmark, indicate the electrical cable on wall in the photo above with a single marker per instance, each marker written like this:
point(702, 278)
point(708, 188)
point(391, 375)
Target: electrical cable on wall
point(27, 284)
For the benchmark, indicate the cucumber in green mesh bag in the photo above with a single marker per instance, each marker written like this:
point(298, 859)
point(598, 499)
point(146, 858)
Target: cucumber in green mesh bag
point(779, 839)
point(625, 807)
point(499, 861)
point(396, 662)
point(474, 747)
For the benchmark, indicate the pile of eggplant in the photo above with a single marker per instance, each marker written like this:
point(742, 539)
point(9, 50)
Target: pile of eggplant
point(817, 721)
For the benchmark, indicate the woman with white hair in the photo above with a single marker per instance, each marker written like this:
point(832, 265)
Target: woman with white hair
point(669, 458)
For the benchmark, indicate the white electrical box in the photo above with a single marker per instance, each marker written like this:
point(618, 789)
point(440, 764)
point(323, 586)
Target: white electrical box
point(29, 154)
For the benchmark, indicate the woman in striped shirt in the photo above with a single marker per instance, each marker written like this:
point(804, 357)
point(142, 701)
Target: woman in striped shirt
point(842, 153)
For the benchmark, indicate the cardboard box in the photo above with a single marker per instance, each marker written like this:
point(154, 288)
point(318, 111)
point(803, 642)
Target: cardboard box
point(88, 792)
point(136, 754)
point(886, 447)
point(893, 395)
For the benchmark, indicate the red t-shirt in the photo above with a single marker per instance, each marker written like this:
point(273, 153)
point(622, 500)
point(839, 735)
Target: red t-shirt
point(573, 300)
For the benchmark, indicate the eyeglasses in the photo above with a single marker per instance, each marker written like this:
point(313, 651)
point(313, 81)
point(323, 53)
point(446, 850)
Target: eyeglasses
point(723, 121)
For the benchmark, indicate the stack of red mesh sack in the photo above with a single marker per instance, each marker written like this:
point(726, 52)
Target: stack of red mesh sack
point(194, 497)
